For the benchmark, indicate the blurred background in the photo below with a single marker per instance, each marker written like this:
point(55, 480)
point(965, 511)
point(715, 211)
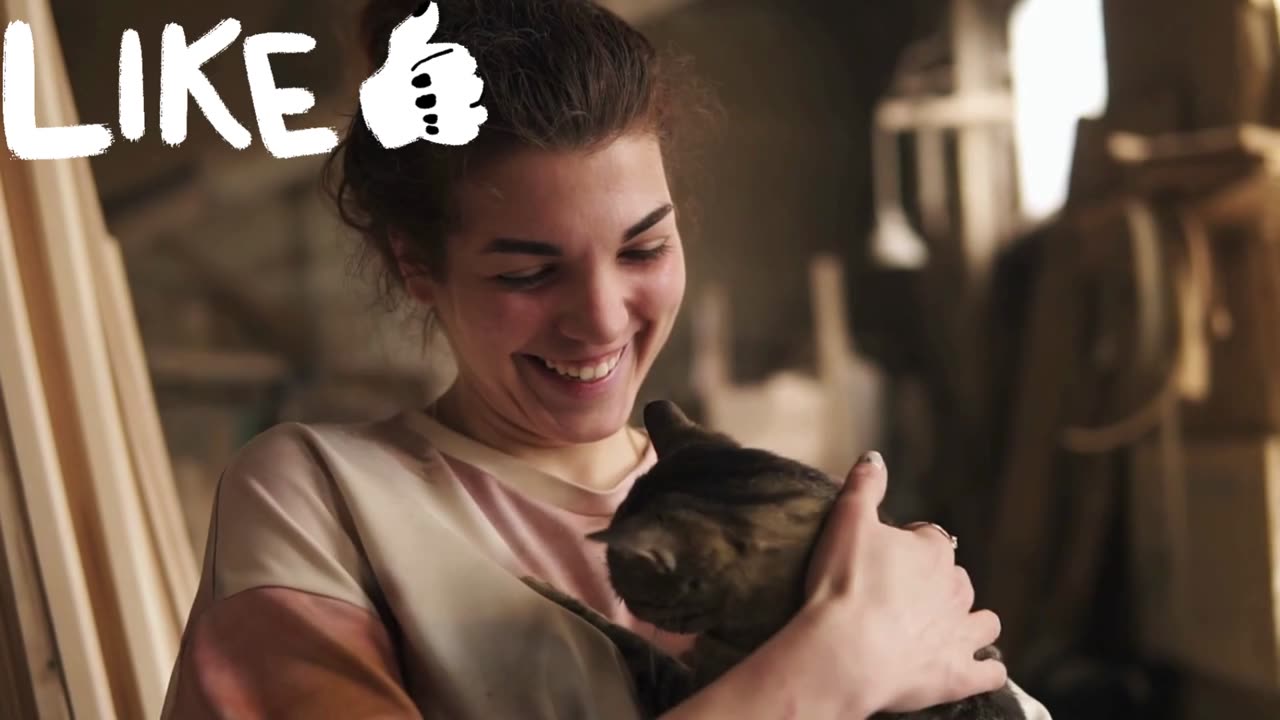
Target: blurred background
point(1023, 247)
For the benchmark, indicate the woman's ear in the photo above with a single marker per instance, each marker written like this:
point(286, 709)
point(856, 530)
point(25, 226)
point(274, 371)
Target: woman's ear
point(416, 280)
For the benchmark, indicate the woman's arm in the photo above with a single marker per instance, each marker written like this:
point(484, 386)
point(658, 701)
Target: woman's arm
point(283, 653)
point(284, 624)
point(888, 626)
point(781, 680)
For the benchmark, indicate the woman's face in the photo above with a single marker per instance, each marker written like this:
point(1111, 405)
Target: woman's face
point(562, 286)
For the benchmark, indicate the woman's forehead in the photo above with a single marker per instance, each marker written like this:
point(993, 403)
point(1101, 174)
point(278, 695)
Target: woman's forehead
point(542, 191)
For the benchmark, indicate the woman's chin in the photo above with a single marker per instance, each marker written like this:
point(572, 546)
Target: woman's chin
point(589, 427)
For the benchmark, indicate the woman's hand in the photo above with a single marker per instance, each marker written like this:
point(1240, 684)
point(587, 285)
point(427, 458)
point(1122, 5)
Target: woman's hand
point(895, 608)
point(887, 627)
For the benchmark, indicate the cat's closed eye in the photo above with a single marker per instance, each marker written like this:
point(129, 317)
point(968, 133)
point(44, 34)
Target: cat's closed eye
point(662, 559)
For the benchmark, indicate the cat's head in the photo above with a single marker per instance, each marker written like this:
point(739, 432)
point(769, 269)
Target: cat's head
point(715, 535)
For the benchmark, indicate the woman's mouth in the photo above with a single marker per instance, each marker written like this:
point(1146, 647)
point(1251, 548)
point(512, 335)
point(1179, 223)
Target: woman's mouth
point(596, 370)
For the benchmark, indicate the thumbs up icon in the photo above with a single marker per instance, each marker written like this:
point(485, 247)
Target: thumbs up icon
point(425, 90)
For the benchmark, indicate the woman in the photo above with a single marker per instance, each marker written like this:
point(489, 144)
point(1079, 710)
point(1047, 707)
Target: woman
point(373, 570)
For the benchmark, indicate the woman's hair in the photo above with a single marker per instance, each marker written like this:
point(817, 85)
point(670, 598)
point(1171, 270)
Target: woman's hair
point(558, 75)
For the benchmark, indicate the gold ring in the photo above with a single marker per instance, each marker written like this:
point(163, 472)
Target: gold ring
point(955, 542)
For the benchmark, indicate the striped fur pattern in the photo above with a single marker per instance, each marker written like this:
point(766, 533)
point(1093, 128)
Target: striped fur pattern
point(715, 540)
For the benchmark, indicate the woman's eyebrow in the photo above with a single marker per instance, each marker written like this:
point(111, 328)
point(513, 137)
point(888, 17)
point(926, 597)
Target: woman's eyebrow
point(517, 246)
point(649, 221)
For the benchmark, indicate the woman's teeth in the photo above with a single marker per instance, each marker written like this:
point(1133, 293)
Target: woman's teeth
point(585, 373)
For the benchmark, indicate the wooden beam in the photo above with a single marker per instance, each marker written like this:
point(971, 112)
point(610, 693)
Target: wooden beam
point(40, 468)
point(145, 435)
point(959, 111)
point(1019, 539)
point(201, 367)
point(31, 680)
point(69, 227)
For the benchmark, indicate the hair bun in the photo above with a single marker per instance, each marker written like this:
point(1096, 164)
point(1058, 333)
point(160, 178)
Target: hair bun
point(377, 21)
point(558, 75)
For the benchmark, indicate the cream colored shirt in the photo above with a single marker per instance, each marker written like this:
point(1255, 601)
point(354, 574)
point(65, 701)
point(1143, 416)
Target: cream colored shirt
point(381, 562)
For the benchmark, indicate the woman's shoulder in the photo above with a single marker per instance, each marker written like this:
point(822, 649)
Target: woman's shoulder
point(300, 448)
point(284, 511)
point(299, 455)
point(284, 469)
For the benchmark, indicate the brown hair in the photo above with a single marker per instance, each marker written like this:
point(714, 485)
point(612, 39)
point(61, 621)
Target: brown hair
point(558, 75)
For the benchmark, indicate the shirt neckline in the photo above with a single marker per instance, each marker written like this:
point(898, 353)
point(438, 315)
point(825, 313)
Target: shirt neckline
point(523, 477)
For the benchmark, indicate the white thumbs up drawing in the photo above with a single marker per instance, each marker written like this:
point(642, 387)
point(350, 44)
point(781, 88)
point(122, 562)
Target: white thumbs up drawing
point(425, 90)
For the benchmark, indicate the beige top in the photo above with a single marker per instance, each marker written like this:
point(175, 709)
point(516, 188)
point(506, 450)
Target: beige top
point(372, 571)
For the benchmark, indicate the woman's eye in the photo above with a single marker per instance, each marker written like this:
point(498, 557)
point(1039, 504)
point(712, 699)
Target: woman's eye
point(525, 279)
point(644, 254)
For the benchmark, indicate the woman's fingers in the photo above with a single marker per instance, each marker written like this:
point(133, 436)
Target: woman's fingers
point(963, 588)
point(901, 603)
point(973, 677)
point(937, 537)
point(984, 628)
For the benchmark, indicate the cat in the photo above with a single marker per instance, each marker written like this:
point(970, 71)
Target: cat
point(714, 540)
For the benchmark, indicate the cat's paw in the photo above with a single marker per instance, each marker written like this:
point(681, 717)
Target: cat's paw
point(990, 652)
point(544, 589)
point(568, 602)
point(661, 681)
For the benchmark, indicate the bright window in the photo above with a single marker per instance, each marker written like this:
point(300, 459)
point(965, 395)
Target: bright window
point(1058, 58)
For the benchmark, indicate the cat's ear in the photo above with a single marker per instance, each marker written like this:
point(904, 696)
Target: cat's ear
point(670, 429)
point(611, 536)
point(651, 543)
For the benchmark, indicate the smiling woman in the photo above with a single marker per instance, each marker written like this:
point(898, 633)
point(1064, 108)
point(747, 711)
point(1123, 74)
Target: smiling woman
point(375, 570)
point(562, 286)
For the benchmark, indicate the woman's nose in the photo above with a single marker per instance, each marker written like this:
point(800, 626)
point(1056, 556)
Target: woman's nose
point(597, 313)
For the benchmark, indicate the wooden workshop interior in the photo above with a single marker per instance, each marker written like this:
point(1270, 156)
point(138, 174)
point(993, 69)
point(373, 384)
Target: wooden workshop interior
point(1028, 249)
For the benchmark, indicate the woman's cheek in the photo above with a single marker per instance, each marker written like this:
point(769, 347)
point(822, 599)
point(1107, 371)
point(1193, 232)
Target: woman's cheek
point(663, 289)
point(511, 315)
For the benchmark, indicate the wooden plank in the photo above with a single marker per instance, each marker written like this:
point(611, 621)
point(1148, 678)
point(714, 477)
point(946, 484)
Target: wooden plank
point(833, 348)
point(1019, 540)
point(200, 367)
point(41, 469)
point(975, 109)
point(1228, 626)
point(149, 634)
point(143, 432)
point(980, 163)
point(31, 680)
point(142, 425)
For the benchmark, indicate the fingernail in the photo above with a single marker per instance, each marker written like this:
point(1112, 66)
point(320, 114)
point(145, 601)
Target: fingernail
point(873, 458)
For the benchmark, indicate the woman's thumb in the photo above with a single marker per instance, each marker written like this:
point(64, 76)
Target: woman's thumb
point(868, 480)
point(852, 517)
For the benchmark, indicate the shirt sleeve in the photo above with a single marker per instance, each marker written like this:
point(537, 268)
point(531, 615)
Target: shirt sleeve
point(282, 653)
point(285, 623)
point(280, 520)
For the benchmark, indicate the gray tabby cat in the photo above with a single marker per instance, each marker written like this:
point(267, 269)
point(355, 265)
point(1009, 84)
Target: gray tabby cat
point(715, 540)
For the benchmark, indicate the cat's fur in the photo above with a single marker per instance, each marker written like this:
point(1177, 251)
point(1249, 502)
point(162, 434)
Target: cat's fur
point(715, 540)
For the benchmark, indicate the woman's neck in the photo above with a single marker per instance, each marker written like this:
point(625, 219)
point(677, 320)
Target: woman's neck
point(599, 465)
